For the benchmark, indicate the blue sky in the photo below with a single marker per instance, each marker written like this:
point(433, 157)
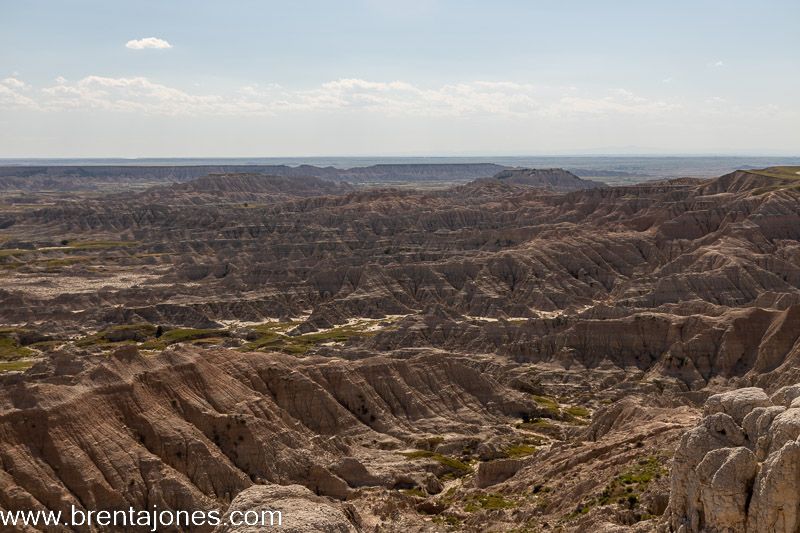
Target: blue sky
point(417, 77)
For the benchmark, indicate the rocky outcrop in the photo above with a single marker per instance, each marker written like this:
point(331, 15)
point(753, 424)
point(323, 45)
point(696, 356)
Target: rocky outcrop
point(191, 428)
point(556, 179)
point(290, 508)
point(99, 177)
point(493, 472)
point(738, 471)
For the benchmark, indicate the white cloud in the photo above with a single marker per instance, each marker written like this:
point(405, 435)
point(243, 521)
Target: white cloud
point(14, 94)
point(13, 83)
point(718, 64)
point(147, 42)
point(486, 99)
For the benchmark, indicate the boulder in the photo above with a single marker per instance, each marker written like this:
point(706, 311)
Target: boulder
point(300, 511)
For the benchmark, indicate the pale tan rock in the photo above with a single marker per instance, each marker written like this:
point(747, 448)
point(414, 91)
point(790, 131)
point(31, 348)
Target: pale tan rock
point(300, 511)
point(493, 472)
point(786, 395)
point(776, 493)
point(737, 403)
point(730, 479)
point(725, 476)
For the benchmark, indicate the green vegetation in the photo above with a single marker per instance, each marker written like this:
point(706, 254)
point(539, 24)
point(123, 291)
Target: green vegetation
point(520, 450)
point(57, 264)
point(536, 424)
point(574, 414)
point(271, 336)
point(577, 411)
point(8, 366)
point(454, 466)
point(783, 172)
point(447, 520)
point(11, 252)
point(177, 335)
point(149, 337)
point(645, 471)
point(274, 338)
point(94, 245)
point(10, 349)
point(416, 492)
point(548, 403)
point(66, 246)
point(788, 178)
point(119, 335)
point(487, 502)
point(626, 488)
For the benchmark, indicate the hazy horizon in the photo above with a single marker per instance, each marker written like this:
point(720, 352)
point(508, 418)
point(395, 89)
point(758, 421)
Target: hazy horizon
point(425, 77)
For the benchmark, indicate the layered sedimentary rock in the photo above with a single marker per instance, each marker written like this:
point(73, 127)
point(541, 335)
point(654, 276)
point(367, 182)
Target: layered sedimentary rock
point(489, 353)
point(555, 179)
point(103, 177)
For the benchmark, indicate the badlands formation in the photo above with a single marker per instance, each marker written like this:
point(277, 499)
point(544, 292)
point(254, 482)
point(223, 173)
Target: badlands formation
point(520, 351)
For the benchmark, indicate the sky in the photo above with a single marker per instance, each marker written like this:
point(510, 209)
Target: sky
point(235, 78)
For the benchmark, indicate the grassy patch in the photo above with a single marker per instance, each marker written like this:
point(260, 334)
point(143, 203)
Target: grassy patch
point(548, 403)
point(572, 414)
point(11, 252)
point(520, 450)
point(536, 424)
point(447, 520)
point(117, 335)
point(177, 335)
point(57, 264)
point(627, 487)
point(416, 492)
point(784, 172)
point(10, 350)
point(488, 502)
point(95, 245)
point(274, 338)
point(578, 411)
point(788, 178)
point(9, 366)
point(454, 466)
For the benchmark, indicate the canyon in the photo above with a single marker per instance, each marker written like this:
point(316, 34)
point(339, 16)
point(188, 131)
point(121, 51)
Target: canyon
point(463, 348)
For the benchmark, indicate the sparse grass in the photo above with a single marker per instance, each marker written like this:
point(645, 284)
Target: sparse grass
point(455, 467)
point(781, 172)
point(118, 335)
point(10, 366)
point(11, 252)
point(547, 403)
point(274, 337)
point(46, 346)
point(578, 411)
point(94, 245)
point(416, 492)
point(627, 487)
point(10, 350)
point(520, 450)
point(536, 424)
point(787, 175)
point(57, 264)
point(177, 335)
point(488, 502)
point(447, 520)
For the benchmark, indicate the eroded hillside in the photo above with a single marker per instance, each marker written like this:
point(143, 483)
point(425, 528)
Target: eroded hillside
point(498, 354)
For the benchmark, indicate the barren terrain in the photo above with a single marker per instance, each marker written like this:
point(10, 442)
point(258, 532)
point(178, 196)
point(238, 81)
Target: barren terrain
point(524, 351)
